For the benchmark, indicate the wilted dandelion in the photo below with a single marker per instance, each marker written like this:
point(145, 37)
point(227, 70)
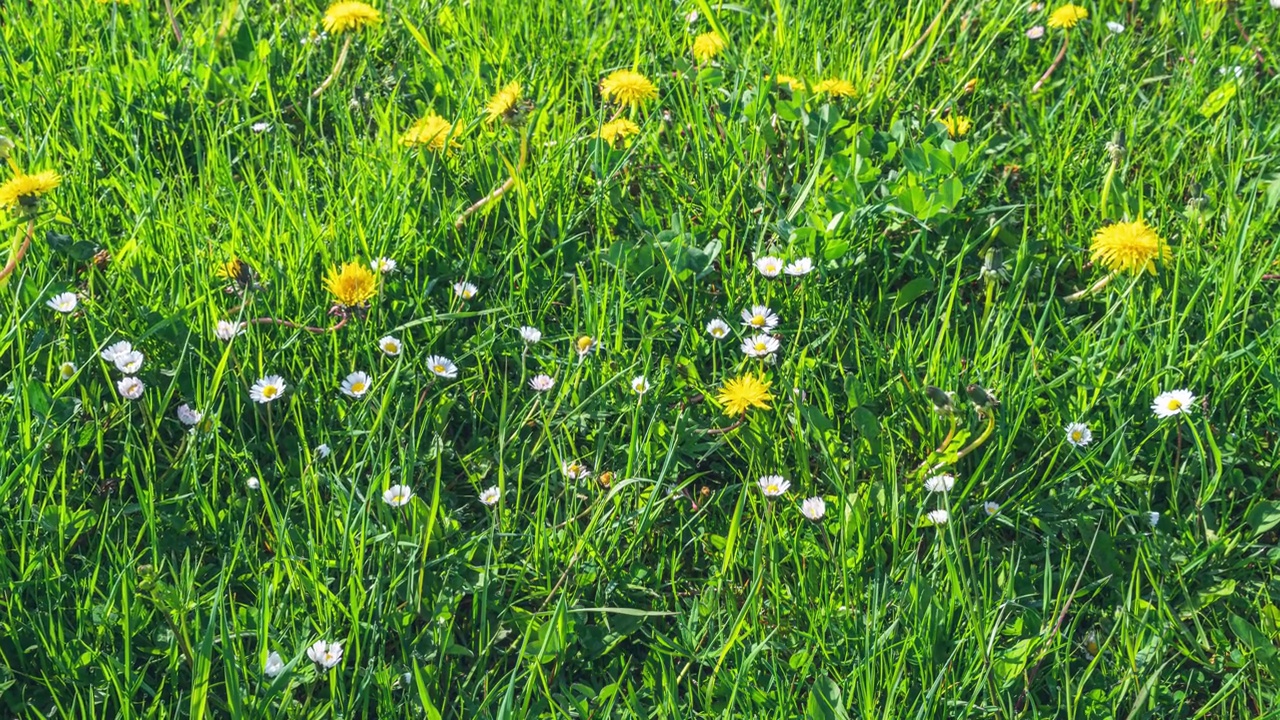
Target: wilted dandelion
point(352, 285)
point(465, 290)
point(390, 346)
point(189, 416)
point(490, 496)
point(348, 15)
point(67, 370)
point(1173, 402)
point(227, 329)
point(274, 665)
point(64, 302)
point(759, 317)
point(383, 265)
point(1128, 247)
point(628, 88)
point(432, 132)
point(760, 345)
point(769, 266)
point(530, 335)
point(718, 329)
point(773, 485)
point(1078, 434)
point(616, 132)
point(325, 654)
point(542, 383)
point(1067, 16)
point(442, 367)
point(813, 508)
point(939, 517)
point(799, 267)
point(397, 496)
point(708, 45)
point(130, 388)
point(267, 389)
point(940, 483)
point(130, 362)
point(956, 125)
point(356, 384)
point(25, 191)
point(743, 393)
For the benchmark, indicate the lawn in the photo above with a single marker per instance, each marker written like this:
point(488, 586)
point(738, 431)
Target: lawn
point(651, 359)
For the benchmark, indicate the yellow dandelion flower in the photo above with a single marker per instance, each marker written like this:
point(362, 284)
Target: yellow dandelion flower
point(503, 101)
point(230, 269)
point(956, 125)
point(836, 87)
point(795, 84)
point(617, 131)
point(350, 15)
point(1129, 247)
point(26, 190)
point(627, 87)
point(708, 45)
point(743, 393)
point(353, 285)
point(432, 131)
point(1067, 16)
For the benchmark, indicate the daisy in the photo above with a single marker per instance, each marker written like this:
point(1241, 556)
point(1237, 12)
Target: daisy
point(465, 290)
point(491, 496)
point(323, 451)
point(542, 383)
point(390, 346)
point(773, 485)
point(1035, 33)
point(575, 470)
point(260, 127)
point(227, 329)
point(442, 367)
point(130, 388)
point(799, 267)
point(639, 385)
point(813, 508)
point(584, 345)
point(760, 345)
point(1078, 434)
point(1173, 402)
point(111, 352)
point(324, 654)
point(64, 302)
point(1115, 27)
point(530, 335)
point(397, 495)
point(769, 266)
point(189, 416)
point(759, 317)
point(940, 483)
point(939, 517)
point(990, 508)
point(718, 329)
point(383, 265)
point(252, 483)
point(274, 665)
point(1153, 518)
point(267, 389)
point(356, 384)
point(130, 362)
point(67, 370)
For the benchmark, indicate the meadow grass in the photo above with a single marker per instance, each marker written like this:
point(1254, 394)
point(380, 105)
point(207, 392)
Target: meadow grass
point(144, 576)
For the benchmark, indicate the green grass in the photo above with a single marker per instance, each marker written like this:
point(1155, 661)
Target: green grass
point(142, 577)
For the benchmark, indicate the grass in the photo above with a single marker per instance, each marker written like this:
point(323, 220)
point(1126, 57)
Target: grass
point(143, 577)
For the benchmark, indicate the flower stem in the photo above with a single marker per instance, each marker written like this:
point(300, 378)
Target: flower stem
point(18, 254)
point(337, 67)
point(309, 328)
point(1057, 60)
point(722, 430)
point(1073, 297)
point(991, 425)
point(500, 191)
point(173, 20)
point(927, 32)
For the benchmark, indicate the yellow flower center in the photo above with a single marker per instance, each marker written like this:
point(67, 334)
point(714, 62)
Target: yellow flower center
point(438, 368)
point(390, 347)
point(357, 387)
point(1175, 404)
point(1076, 435)
point(717, 332)
point(760, 346)
point(269, 391)
point(757, 321)
point(771, 489)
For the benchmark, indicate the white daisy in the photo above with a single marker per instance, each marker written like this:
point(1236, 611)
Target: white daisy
point(542, 383)
point(324, 654)
point(759, 317)
point(274, 665)
point(130, 388)
point(1275, 4)
point(323, 451)
point(939, 517)
point(491, 496)
point(252, 483)
point(799, 267)
point(584, 345)
point(769, 266)
point(67, 370)
point(639, 385)
point(111, 352)
point(1153, 518)
point(397, 495)
point(1035, 33)
point(760, 345)
point(575, 470)
point(1079, 434)
point(465, 290)
point(442, 367)
point(383, 265)
point(718, 329)
point(813, 508)
point(130, 362)
point(940, 483)
point(530, 335)
point(267, 389)
point(189, 416)
point(260, 127)
point(773, 485)
point(1115, 27)
point(990, 508)
point(356, 384)
point(390, 346)
point(227, 329)
point(64, 302)
point(1173, 402)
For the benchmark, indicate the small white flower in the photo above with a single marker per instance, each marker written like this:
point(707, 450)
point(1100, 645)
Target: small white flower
point(323, 451)
point(267, 389)
point(773, 485)
point(759, 317)
point(111, 352)
point(542, 383)
point(260, 127)
point(1275, 4)
point(1115, 27)
point(383, 265)
point(324, 654)
point(227, 329)
point(940, 483)
point(575, 470)
point(769, 266)
point(390, 346)
point(1153, 518)
point(530, 335)
point(813, 508)
point(1079, 434)
point(491, 496)
point(760, 345)
point(718, 329)
point(584, 345)
point(990, 508)
point(799, 267)
point(67, 370)
point(189, 416)
point(356, 384)
point(130, 362)
point(253, 483)
point(939, 517)
point(442, 367)
point(1173, 402)
point(130, 388)
point(274, 665)
point(1235, 70)
point(397, 495)
point(64, 302)
point(465, 290)
point(639, 385)
point(1036, 32)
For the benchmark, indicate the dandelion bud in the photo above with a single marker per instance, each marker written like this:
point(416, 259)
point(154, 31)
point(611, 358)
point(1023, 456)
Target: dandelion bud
point(6, 147)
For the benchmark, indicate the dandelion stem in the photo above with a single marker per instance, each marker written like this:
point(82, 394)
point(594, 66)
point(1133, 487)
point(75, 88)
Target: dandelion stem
point(720, 431)
point(1073, 297)
point(927, 32)
point(173, 20)
point(499, 192)
point(309, 328)
point(991, 425)
point(337, 67)
point(20, 252)
point(1057, 60)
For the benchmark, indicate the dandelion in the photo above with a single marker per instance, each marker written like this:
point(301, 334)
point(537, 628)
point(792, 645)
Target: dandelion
point(743, 393)
point(939, 517)
point(584, 345)
point(397, 496)
point(274, 665)
point(25, 191)
point(769, 266)
point(835, 87)
point(260, 127)
point(799, 267)
point(252, 483)
point(956, 125)
point(490, 496)
point(1035, 33)
point(708, 45)
point(325, 654)
point(267, 389)
point(759, 317)
point(111, 352)
point(1078, 434)
point(530, 335)
point(761, 345)
point(616, 132)
point(718, 329)
point(227, 329)
point(542, 383)
point(1173, 402)
point(773, 485)
point(432, 132)
point(813, 508)
point(64, 302)
point(575, 470)
point(628, 88)
point(1067, 16)
point(130, 388)
point(390, 346)
point(639, 385)
point(130, 362)
point(344, 16)
point(990, 508)
point(465, 290)
point(442, 367)
point(188, 415)
point(940, 483)
point(1115, 27)
point(351, 286)
point(356, 384)
point(1128, 247)
point(383, 265)
point(503, 102)
point(1153, 518)
point(323, 451)
point(67, 370)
